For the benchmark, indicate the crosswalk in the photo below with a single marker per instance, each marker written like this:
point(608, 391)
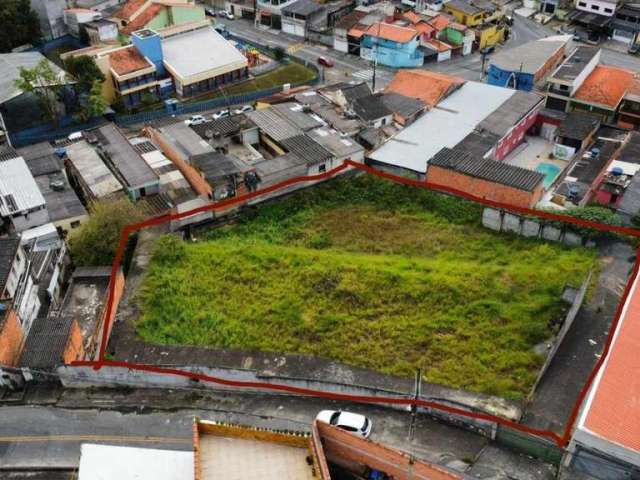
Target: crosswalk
point(295, 47)
point(366, 75)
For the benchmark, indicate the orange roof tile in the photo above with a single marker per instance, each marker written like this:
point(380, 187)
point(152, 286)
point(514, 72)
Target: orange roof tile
point(438, 45)
point(424, 27)
point(430, 87)
point(439, 22)
point(129, 9)
point(412, 16)
point(614, 410)
point(606, 85)
point(394, 33)
point(358, 30)
point(127, 60)
point(145, 17)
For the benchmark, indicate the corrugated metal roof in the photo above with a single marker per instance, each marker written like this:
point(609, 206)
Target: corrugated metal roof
point(402, 105)
point(274, 125)
point(514, 109)
point(529, 57)
point(332, 141)
point(18, 189)
point(490, 170)
point(444, 126)
point(46, 342)
point(8, 248)
point(10, 64)
point(307, 149)
point(371, 108)
point(294, 113)
point(303, 7)
point(92, 169)
point(578, 125)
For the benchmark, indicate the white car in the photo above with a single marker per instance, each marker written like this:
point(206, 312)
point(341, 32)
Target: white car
point(225, 14)
point(195, 120)
point(351, 422)
point(243, 109)
point(220, 114)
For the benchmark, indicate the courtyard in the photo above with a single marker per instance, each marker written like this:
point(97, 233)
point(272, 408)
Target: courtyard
point(371, 274)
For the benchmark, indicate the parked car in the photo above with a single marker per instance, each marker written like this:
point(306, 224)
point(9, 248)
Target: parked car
point(351, 422)
point(209, 11)
point(195, 120)
point(634, 48)
point(225, 14)
point(243, 109)
point(327, 62)
point(220, 114)
point(75, 136)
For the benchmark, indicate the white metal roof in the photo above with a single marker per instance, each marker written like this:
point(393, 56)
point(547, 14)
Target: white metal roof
point(199, 51)
point(92, 169)
point(626, 167)
point(18, 189)
point(10, 64)
point(108, 462)
point(443, 126)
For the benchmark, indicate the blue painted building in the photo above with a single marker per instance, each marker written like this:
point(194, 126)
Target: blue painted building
point(392, 45)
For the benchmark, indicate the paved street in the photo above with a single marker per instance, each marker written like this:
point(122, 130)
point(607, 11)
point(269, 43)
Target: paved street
point(49, 431)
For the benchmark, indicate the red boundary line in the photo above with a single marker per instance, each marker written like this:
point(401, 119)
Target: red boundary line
point(560, 440)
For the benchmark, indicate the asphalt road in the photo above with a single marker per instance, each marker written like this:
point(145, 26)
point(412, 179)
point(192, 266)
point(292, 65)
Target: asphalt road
point(49, 433)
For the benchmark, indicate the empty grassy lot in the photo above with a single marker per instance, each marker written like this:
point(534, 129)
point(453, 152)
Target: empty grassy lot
point(372, 274)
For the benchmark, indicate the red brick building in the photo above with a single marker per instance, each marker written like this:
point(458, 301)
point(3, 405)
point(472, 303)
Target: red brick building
point(488, 179)
point(11, 336)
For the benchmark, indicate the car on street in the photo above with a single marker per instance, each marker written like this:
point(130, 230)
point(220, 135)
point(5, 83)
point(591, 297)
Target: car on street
point(243, 109)
point(225, 14)
point(195, 120)
point(634, 48)
point(350, 422)
point(327, 62)
point(209, 11)
point(220, 114)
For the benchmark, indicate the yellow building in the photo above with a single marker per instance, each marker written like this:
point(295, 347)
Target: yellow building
point(470, 12)
point(489, 35)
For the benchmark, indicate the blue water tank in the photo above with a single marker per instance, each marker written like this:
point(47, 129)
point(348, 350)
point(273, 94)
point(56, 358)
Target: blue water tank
point(616, 171)
point(149, 44)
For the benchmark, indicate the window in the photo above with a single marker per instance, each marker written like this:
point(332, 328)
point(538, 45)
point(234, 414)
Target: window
point(322, 168)
point(608, 10)
point(582, 4)
point(595, 7)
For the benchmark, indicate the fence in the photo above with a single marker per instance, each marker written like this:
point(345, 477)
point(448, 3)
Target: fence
point(48, 133)
point(529, 445)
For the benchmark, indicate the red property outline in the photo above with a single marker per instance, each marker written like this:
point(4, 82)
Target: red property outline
point(559, 440)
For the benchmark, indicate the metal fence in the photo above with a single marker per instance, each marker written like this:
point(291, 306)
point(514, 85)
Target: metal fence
point(530, 445)
point(49, 133)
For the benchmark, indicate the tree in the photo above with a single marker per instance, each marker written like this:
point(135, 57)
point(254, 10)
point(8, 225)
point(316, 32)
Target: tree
point(85, 71)
point(93, 103)
point(279, 53)
point(96, 241)
point(45, 84)
point(23, 21)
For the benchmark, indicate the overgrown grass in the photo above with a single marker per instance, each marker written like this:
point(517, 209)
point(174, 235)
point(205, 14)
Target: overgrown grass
point(372, 274)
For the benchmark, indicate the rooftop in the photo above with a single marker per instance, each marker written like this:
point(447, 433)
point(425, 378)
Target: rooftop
point(303, 7)
point(123, 156)
point(199, 51)
point(95, 174)
point(46, 342)
point(295, 113)
point(578, 125)
point(10, 65)
point(490, 170)
point(304, 147)
point(61, 199)
point(439, 22)
point(216, 165)
point(630, 151)
point(41, 159)
point(233, 452)
point(8, 249)
point(430, 87)
point(611, 412)
point(575, 63)
point(331, 141)
point(127, 60)
point(472, 7)
point(402, 105)
point(370, 108)
point(605, 86)
point(17, 187)
point(514, 109)
point(394, 33)
point(280, 168)
point(528, 57)
point(129, 9)
point(143, 18)
point(355, 91)
point(443, 126)
point(185, 140)
point(351, 19)
point(274, 125)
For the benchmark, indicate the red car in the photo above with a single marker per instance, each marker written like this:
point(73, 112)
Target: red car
point(325, 61)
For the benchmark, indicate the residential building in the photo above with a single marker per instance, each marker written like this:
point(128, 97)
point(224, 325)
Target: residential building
point(471, 13)
point(525, 66)
point(629, 109)
point(340, 148)
point(602, 92)
point(269, 12)
point(619, 176)
point(51, 15)
point(98, 5)
point(101, 32)
point(201, 60)
point(459, 36)
point(605, 8)
point(343, 94)
point(405, 109)
point(13, 265)
point(11, 333)
point(342, 41)
point(75, 18)
point(490, 34)
point(132, 76)
point(297, 16)
point(426, 86)
point(21, 202)
point(155, 15)
point(89, 174)
point(487, 179)
point(450, 122)
point(392, 45)
point(595, 16)
point(606, 439)
point(565, 81)
point(372, 111)
point(222, 172)
point(577, 131)
point(66, 211)
point(138, 179)
point(625, 26)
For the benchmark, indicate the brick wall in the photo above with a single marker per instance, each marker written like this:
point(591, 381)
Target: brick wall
point(117, 295)
point(549, 65)
point(344, 448)
point(11, 339)
point(483, 188)
point(74, 349)
point(197, 182)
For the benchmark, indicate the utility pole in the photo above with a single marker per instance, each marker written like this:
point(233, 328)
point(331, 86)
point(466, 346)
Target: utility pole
point(414, 408)
point(375, 60)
